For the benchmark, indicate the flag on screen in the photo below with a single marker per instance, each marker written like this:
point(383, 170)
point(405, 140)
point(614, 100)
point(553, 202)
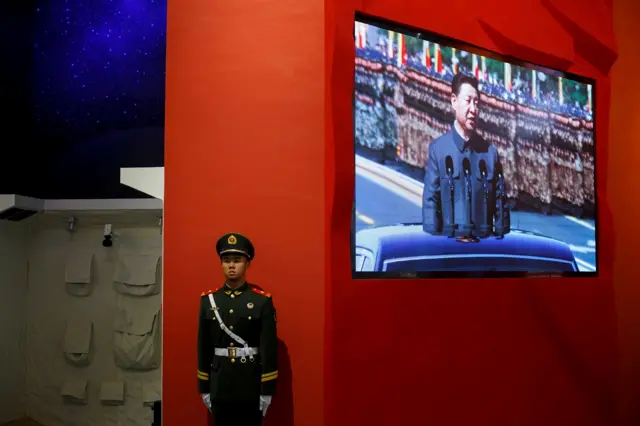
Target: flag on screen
point(484, 68)
point(507, 76)
point(402, 50)
point(474, 66)
point(454, 61)
point(534, 84)
point(426, 57)
point(361, 33)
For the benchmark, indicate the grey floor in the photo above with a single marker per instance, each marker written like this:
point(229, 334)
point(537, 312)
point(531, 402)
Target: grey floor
point(22, 422)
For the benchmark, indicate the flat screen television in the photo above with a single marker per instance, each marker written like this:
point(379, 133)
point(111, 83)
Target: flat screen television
point(468, 163)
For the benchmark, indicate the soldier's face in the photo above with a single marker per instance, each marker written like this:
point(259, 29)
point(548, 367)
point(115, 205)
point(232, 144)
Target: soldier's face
point(234, 266)
point(465, 105)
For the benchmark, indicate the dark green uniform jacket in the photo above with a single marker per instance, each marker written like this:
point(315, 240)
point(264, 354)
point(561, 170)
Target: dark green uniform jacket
point(249, 313)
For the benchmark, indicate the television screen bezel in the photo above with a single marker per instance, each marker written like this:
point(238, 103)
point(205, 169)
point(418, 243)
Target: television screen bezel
point(412, 31)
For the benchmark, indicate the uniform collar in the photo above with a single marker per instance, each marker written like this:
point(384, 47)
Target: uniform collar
point(235, 291)
point(461, 143)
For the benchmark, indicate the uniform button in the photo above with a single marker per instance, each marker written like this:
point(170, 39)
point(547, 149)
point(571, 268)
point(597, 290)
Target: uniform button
point(231, 327)
point(249, 317)
point(231, 344)
point(233, 296)
point(230, 311)
point(233, 360)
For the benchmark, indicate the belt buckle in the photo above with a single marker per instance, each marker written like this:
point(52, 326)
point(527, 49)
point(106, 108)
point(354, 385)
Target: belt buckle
point(233, 353)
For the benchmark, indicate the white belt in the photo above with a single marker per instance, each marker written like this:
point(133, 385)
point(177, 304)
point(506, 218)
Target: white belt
point(236, 352)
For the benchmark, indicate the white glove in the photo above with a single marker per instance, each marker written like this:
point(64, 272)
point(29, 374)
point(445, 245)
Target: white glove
point(206, 398)
point(265, 401)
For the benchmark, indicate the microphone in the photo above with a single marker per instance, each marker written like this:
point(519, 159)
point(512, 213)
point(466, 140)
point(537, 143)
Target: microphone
point(466, 228)
point(485, 229)
point(449, 165)
point(503, 218)
point(449, 226)
point(483, 168)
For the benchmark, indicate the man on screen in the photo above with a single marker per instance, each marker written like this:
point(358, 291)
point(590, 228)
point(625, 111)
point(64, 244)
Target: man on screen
point(458, 151)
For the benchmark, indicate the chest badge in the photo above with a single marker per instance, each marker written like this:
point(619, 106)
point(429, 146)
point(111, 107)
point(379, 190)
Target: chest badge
point(250, 305)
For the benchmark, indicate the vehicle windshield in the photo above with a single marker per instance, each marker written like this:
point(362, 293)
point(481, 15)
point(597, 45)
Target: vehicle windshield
point(479, 263)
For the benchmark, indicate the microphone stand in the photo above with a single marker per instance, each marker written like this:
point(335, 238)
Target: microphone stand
point(503, 220)
point(467, 211)
point(484, 228)
point(452, 202)
point(501, 205)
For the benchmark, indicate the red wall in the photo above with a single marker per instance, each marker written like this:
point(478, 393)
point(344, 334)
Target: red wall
point(624, 134)
point(491, 352)
point(253, 79)
point(244, 153)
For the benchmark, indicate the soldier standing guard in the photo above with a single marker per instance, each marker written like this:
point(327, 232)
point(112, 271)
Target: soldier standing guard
point(237, 342)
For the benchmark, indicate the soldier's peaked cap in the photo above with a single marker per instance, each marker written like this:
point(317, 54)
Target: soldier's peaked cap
point(234, 243)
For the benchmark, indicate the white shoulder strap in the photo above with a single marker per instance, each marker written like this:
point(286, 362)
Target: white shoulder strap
point(222, 325)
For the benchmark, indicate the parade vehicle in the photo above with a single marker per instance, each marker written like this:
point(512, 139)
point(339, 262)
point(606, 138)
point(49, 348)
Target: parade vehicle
point(405, 250)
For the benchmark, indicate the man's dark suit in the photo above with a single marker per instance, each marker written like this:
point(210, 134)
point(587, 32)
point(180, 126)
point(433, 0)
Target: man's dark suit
point(435, 212)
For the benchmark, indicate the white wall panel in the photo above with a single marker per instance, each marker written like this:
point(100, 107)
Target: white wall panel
point(50, 306)
point(13, 299)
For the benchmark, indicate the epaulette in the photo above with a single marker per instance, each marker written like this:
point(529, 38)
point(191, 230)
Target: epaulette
point(205, 293)
point(257, 290)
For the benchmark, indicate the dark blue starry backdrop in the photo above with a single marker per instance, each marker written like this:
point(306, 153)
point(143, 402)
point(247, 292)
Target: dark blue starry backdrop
point(99, 66)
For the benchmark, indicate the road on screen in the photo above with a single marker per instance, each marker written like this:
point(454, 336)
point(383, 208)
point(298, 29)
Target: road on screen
point(385, 197)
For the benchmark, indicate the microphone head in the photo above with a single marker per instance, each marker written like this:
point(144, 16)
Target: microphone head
point(448, 161)
point(483, 167)
point(466, 166)
point(499, 170)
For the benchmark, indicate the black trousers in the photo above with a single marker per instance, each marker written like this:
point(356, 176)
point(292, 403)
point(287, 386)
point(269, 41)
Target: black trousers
point(236, 413)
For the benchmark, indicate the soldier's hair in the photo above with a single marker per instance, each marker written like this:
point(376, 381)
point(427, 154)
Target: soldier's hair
point(459, 79)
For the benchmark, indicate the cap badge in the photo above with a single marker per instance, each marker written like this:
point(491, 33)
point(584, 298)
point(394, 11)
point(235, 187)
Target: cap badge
point(232, 239)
